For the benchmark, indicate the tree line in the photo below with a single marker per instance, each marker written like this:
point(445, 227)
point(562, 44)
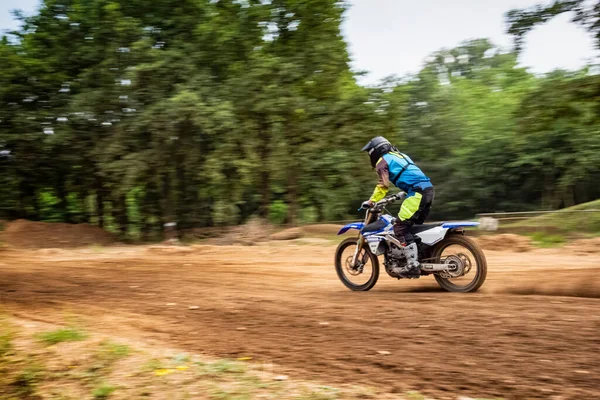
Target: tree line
point(130, 114)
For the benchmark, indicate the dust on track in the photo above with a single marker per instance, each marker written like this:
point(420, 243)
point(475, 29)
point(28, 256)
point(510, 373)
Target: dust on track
point(283, 303)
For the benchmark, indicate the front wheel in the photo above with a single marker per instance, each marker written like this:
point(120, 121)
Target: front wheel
point(470, 265)
point(360, 277)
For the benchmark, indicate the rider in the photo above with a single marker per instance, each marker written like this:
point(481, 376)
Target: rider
point(397, 168)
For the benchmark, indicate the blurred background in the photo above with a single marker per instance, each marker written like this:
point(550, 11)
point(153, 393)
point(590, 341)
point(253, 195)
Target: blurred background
point(199, 128)
point(134, 114)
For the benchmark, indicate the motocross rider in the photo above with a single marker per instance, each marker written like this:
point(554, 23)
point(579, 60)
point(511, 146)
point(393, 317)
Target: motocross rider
point(397, 168)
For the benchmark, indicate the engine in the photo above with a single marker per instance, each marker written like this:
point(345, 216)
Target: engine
point(394, 258)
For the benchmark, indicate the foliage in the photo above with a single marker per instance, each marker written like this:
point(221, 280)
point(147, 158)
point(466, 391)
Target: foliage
point(206, 113)
point(586, 13)
point(278, 211)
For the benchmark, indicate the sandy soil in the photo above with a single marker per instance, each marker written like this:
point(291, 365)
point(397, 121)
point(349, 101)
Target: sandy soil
point(282, 303)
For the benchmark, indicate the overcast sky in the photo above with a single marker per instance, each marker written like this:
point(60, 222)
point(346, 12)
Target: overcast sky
point(388, 37)
point(395, 36)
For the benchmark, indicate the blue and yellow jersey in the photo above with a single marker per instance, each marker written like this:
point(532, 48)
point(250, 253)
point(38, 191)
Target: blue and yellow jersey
point(398, 169)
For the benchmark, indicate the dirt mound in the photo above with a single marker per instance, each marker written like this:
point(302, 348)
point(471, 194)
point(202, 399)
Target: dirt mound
point(287, 234)
point(585, 246)
point(505, 242)
point(169, 250)
point(321, 229)
point(202, 233)
point(256, 230)
point(43, 235)
point(51, 252)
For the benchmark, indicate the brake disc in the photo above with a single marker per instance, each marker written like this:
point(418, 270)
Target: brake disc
point(354, 270)
point(466, 262)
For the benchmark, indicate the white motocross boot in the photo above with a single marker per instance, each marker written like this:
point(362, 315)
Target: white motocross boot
point(411, 253)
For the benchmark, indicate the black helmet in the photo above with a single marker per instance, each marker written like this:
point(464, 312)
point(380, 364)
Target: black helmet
point(377, 147)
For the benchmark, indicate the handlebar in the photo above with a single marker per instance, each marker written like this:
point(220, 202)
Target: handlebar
point(390, 199)
point(387, 200)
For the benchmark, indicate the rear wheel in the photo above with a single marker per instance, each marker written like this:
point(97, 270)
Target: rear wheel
point(360, 277)
point(469, 266)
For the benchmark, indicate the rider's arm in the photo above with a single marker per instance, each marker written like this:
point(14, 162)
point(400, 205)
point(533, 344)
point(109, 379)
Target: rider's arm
point(383, 185)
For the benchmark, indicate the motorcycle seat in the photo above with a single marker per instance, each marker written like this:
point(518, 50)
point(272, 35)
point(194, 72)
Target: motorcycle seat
point(375, 226)
point(424, 227)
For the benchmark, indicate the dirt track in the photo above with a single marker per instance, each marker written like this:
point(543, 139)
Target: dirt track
point(284, 304)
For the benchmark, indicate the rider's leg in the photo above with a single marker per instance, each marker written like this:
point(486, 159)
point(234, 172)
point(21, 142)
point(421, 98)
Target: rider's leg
point(410, 250)
point(425, 207)
point(409, 213)
point(415, 208)
point(402, 230)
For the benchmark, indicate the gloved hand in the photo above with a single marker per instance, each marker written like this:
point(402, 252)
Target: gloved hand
point(366, 205)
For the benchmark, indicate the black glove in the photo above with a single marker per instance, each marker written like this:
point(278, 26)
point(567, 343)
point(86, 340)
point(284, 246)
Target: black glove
point(366, 205)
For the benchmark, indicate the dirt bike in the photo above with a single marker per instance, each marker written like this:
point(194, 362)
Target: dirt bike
point(444, 251)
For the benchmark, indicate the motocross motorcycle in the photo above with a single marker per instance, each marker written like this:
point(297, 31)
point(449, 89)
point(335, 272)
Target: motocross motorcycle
point(456, 262)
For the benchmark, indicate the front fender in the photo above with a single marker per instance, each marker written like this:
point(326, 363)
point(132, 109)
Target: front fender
point(354, 225)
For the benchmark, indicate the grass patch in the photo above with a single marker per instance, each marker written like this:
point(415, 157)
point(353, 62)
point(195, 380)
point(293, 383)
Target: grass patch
point(107, 354)
point(103, 391)
point(91, 369)
point(221, 367)
point(26, 381)
point(111, 352)
point(61, 335)
point(322, 393)
point(5, 343)
point(96, 248)
point(182, 358)
point(545, 240)
point(414, 396)
point(228, 367)
point(152, 365)
point(567, 220)
point(220, 394)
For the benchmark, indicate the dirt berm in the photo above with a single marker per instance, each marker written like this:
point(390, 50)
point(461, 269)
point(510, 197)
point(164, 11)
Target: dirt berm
point(585, 246)
point(505, 242)
point(43, 235)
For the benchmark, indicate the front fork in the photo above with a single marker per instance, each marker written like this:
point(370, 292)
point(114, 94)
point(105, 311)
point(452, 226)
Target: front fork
point(361, 240)
point(359, 245)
